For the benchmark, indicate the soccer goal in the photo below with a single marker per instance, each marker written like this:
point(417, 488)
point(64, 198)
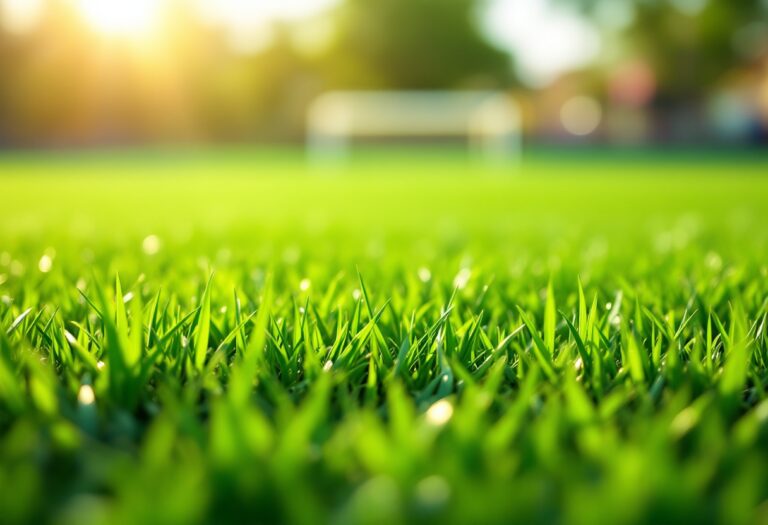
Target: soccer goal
point(488, 121)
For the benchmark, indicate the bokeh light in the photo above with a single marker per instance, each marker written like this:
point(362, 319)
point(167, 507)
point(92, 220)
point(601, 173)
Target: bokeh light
point(581, 115)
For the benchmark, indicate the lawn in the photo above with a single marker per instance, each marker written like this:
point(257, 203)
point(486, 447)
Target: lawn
point(231, 336)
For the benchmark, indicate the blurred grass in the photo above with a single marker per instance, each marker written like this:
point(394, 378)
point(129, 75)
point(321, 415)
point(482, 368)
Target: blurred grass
point(414, 338)
point(410, 193)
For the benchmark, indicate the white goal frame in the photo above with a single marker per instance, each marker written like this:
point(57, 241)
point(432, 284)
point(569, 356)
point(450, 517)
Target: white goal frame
point(490, 120)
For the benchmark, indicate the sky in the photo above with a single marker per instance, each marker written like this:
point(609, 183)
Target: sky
point(546, 39)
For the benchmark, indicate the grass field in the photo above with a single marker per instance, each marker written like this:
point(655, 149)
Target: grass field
point(233, 337)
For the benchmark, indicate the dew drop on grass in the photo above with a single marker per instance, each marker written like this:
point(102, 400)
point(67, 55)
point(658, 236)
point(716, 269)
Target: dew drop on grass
point(86, 396)
point(45, 264)
point(462, 278)
point(439, 413)
point(305, 284)
point(424, 274)
point(151, 244)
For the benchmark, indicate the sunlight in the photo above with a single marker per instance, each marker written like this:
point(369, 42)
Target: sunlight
point(119, 17)
point(236, 12)
point(248, 23)
point(546, 38)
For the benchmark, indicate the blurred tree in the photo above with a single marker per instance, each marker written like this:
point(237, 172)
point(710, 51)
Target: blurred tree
point(44, 74)
point(260, 96)
point(61, 83)
point(690, 44)
point(412, 44)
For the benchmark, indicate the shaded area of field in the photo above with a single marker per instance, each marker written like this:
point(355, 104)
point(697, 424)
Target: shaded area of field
point(418, 338)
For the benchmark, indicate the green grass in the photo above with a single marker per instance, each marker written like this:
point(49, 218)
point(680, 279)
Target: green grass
point(226, 337)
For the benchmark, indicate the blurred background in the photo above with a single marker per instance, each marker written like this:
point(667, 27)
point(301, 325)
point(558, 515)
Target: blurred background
point(77, 73)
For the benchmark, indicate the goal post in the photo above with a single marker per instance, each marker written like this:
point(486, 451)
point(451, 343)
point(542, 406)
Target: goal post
point(489, 120)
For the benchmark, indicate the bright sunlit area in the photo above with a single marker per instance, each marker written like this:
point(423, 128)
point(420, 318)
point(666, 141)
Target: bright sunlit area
point(134, 18)
point(547, 39)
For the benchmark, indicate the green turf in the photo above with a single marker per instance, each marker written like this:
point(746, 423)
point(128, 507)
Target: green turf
point(407, 339)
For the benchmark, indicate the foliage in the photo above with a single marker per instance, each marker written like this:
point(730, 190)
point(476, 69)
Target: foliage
point(188, 83)
point(413, 44)
point(691, 46)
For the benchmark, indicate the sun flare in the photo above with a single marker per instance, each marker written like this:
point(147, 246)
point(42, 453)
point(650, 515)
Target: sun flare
point(120, 17)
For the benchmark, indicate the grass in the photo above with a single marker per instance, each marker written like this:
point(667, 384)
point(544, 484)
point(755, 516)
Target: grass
point(227, 338)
